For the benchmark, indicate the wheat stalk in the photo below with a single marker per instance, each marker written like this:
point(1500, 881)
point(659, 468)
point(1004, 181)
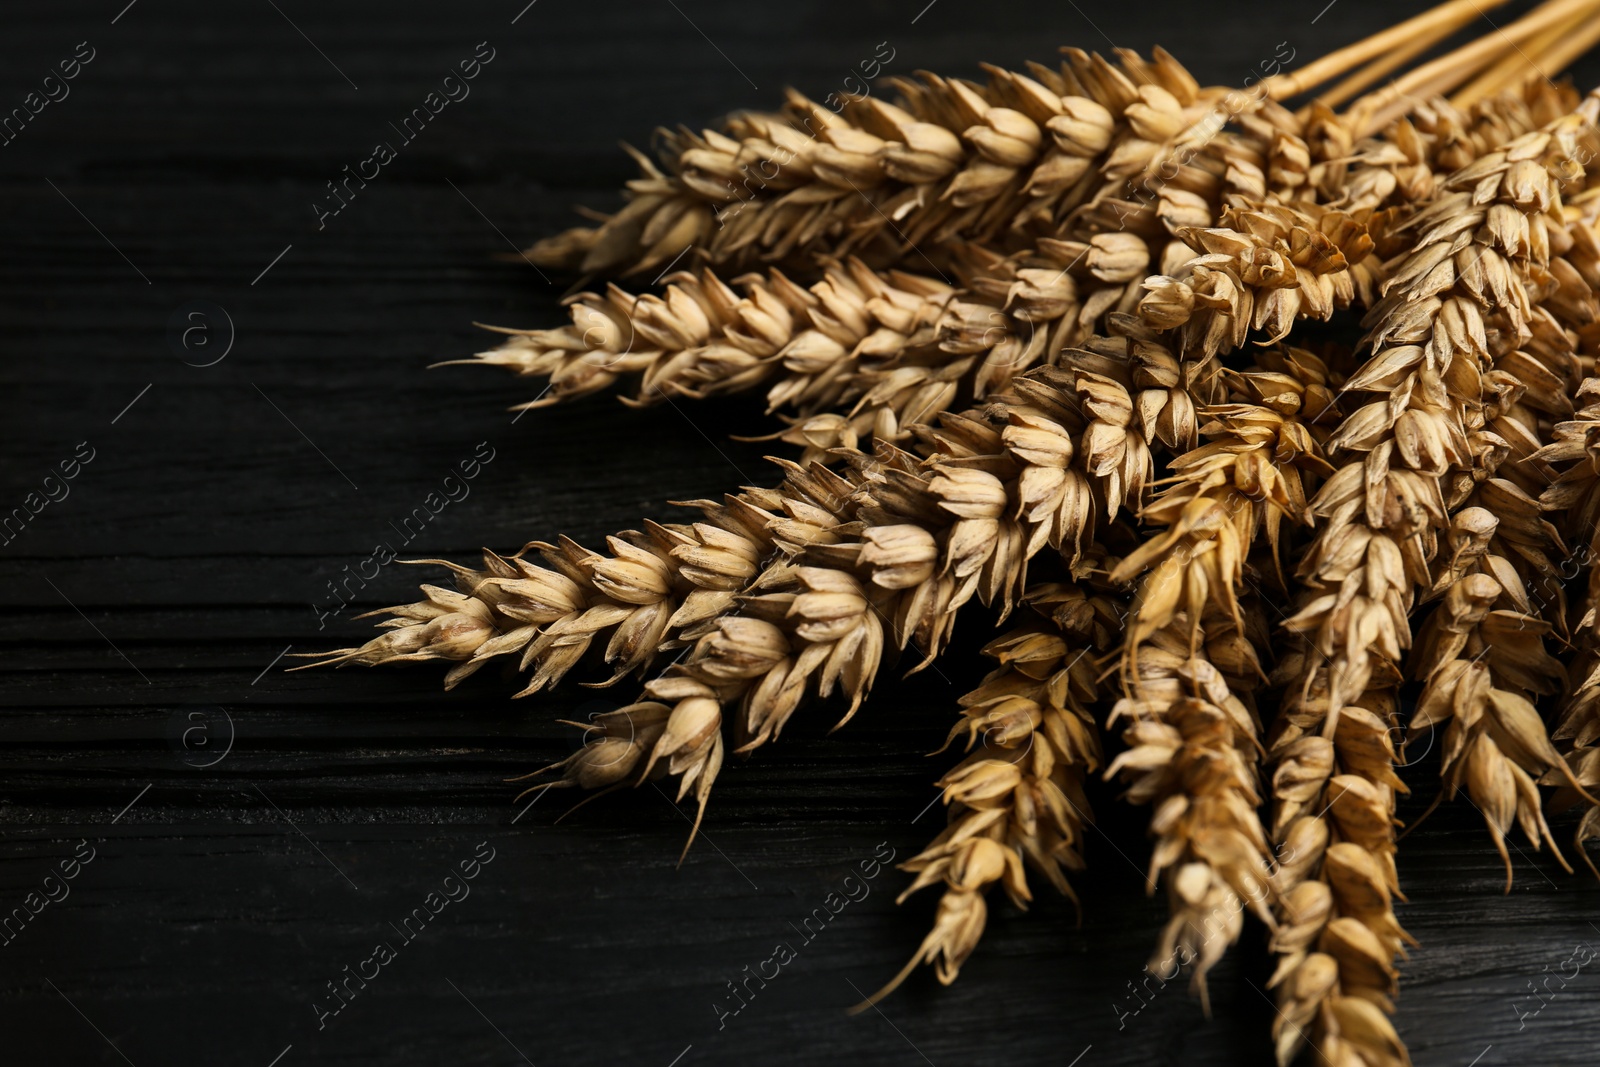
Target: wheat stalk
point(1442, 74)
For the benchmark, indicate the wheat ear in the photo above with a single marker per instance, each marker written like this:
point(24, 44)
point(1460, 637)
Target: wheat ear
point(1482, 652)
point(639, 600)
point(857, 332)
point(854, 351)
point(1017, 800)
point(1576, 495)
point(951, 160)
point(1190, 657)
point(700, 337)
point(921, 538)
point(1383, 511)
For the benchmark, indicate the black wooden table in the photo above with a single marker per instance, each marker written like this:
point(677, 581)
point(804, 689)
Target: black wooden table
point(239, 839)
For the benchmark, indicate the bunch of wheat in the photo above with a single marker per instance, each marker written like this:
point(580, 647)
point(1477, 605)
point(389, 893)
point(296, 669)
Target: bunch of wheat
point(1043, 343)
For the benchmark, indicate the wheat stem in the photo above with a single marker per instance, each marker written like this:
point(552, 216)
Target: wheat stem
point(1398, 57)
point(1435, 21)
point(1377, 108)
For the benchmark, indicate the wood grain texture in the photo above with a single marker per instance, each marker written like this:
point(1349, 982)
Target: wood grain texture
point(218, 506)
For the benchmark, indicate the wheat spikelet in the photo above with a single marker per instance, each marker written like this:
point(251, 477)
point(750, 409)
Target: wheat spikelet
point(1265, 268)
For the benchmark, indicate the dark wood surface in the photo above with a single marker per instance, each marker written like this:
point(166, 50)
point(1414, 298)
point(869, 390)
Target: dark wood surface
point(158, 596)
